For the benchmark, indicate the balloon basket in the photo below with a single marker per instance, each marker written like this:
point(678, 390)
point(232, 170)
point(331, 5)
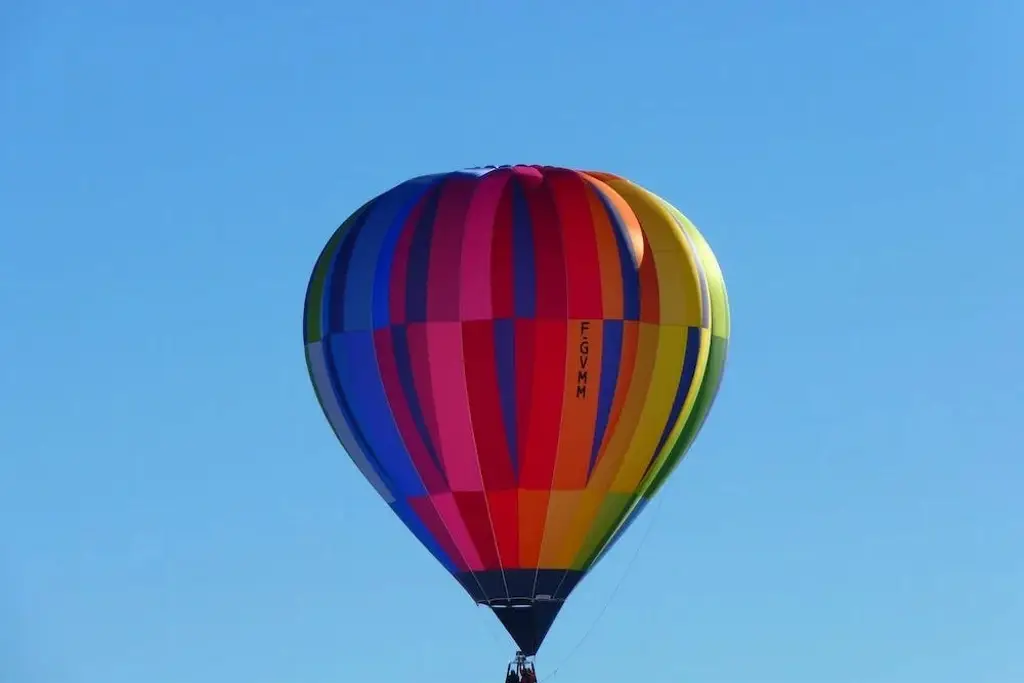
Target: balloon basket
point(521, 669)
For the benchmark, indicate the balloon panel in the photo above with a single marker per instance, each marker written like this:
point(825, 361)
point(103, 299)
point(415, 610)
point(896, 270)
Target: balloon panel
point(515, 358)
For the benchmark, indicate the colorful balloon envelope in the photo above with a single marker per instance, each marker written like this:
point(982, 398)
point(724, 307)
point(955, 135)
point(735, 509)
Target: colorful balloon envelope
point(516, 358)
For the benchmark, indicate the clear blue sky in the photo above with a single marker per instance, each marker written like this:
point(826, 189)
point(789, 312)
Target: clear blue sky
point(173, 506)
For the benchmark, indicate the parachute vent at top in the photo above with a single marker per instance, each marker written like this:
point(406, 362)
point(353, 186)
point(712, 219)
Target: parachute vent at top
point(516, 358)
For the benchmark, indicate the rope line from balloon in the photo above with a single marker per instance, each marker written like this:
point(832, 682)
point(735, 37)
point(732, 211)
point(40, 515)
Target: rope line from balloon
point(611, 597)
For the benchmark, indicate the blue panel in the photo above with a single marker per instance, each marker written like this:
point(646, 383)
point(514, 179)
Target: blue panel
point(359, 377)
point(505, 362)
point(385, 259)
point(524, 266)
point(339, 417)
point(412, 521)
point(390, 208)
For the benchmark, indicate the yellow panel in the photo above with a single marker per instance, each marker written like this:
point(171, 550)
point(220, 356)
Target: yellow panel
point(588, 503)
point(668, 368)
point(555, 551)
point(687, 410)
point(678, 281)
point(720, 322)
point(612, 509)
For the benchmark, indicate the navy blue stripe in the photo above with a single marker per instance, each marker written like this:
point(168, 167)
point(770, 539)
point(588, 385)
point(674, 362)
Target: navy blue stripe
point(505, 362)
point(611, 359)
point(381, 305)
point(337, 276)
point(419, 260)
point(403, 361)
point(524, 266)
point(630, 269)
point(325, 263)
point(685, 382)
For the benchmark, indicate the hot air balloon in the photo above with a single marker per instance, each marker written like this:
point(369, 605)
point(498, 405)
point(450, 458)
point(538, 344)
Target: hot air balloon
point(516, 358)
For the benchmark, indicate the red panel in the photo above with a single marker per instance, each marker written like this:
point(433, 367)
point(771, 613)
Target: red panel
point(504, 506)
point(416, 334)
point(424, 509)
point(473, 507)
point(485, 405)
point(583, 268)
point(540, 399)
point(502, 264)
point(533, 512)
point(548, 253)
point(650, 302)
point(446, 249)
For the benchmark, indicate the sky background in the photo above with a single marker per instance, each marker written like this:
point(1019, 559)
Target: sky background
point(173, 505)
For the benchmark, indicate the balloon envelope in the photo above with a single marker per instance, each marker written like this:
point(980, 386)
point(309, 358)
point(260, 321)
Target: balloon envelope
point(516, 358)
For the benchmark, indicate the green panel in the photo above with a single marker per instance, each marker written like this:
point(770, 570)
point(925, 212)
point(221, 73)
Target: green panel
point(657, 478)
point(721, 319)
point(701, 408)
point(605, 524)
